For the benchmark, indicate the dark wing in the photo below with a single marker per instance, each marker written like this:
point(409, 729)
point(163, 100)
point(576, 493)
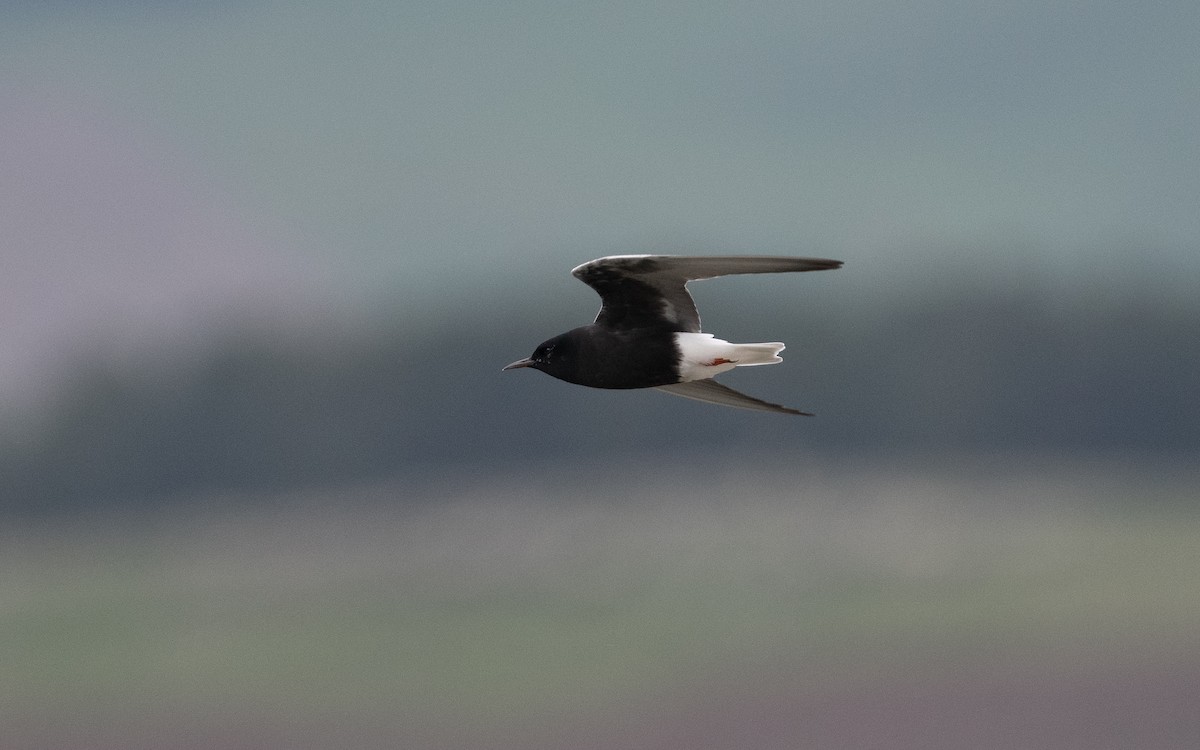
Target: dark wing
point(710, 391)
point(638, 291)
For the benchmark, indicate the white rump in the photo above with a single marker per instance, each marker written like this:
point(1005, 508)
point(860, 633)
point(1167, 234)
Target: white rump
point(702, 355)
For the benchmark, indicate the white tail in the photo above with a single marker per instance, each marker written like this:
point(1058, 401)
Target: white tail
point(703, 356)
point(757, 354)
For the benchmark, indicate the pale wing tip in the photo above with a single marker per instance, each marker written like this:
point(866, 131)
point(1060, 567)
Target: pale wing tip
point(825, 264)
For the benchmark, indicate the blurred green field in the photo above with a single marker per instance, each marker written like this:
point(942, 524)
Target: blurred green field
point(838, 607)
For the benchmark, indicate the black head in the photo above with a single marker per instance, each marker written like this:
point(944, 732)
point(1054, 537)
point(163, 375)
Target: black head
point(554, 356)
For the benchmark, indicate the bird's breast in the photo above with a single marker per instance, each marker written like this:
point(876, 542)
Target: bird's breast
point(636, 358)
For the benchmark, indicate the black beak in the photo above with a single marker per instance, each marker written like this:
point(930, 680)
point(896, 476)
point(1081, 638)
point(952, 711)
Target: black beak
point(527, 362)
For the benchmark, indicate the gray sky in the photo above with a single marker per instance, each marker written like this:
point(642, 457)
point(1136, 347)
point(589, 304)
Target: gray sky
point(163, 167)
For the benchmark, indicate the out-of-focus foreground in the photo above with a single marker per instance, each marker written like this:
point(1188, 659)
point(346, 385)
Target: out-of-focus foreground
point(984, 606)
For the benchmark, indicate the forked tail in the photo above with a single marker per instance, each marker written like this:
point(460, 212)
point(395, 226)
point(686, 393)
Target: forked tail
point(702, 356)
point(757, 354)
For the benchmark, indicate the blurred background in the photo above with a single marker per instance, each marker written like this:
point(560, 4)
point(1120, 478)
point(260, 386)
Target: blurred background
point(264, 484)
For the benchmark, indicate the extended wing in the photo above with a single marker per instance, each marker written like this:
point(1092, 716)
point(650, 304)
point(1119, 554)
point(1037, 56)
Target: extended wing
point(638, 291)
point(712, 392)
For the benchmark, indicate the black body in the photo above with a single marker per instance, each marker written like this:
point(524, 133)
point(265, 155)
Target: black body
point(645, 303)
point(601, 357)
